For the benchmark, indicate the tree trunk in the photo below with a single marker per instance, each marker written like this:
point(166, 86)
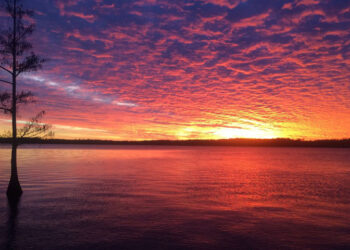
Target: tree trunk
point(14, 189)
point(14, 76)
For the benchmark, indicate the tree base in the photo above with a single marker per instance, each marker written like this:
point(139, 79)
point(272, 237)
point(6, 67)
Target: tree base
point(14, 190)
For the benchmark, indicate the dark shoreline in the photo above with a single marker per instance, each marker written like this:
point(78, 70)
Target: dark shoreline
point(345, 143)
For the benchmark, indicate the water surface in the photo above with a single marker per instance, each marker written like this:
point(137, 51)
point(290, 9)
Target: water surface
point(148, 197)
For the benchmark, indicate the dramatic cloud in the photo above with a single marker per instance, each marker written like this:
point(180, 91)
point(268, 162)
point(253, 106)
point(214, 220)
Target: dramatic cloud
point(161, 69)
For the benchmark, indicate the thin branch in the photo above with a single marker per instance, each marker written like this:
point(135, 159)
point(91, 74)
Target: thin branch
point(6, 81)
point(35, 128)
point(27, 31)
point(6, 110)
point(2, 67)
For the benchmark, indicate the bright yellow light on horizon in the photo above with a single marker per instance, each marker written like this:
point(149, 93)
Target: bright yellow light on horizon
point(256, 133)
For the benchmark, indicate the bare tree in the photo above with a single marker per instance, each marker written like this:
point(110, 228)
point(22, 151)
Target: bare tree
point(17, 57)
point(32, 129)
point(35, 128)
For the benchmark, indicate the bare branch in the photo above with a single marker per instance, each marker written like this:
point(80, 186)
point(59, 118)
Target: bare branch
point(25, 97)
point(5, 102)
point(26, 31)
point(30, 63)
point(6, 111)
point(6, 69)
point(21, 98)
point(35, 128)
point(6, 81)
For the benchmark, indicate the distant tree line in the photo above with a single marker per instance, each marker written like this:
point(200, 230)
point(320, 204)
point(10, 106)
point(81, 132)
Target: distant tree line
point(345, 143)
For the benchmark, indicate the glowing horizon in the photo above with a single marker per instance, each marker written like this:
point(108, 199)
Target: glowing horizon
point(191, 69)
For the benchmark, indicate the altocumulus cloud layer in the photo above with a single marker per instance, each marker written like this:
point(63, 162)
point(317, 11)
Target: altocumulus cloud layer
point(161, 69)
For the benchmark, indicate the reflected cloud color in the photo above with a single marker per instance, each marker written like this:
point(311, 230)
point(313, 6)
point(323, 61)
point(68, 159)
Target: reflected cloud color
point(161, 69)
point(140, 197)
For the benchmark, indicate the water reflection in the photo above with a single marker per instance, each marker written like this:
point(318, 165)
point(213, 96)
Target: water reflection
point(11, 224)
point(181, 198)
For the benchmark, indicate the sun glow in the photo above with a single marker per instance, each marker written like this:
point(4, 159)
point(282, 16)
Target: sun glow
point(227, 133)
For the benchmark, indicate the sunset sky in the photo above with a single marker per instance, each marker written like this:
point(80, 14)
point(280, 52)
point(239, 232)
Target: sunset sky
point(190, 69)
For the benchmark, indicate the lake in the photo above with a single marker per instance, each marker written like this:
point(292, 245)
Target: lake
point(149, 197)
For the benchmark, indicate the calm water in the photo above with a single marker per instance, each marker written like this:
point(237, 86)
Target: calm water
point(136, 197)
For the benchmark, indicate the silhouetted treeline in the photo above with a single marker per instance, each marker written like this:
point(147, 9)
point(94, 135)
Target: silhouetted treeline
point(223, 142)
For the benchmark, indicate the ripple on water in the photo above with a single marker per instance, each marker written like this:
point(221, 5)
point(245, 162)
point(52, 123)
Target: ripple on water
point(178, 198)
